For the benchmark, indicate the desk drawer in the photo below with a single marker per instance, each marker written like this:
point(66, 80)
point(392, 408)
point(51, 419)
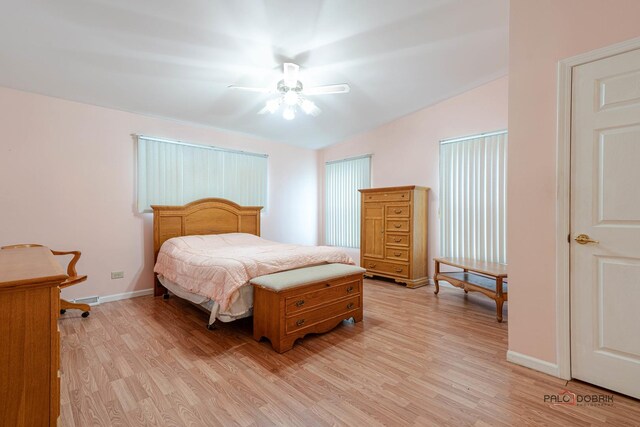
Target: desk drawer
point(403, 211)
point(391, 196)
point(294, 304)
point(397, 225)
point(397, 239)
point(323, 312)
point(396, 254)
point(388, 268)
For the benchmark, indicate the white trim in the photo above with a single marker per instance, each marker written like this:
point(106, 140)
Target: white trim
point(563, 208)
point(126, 295)
point(533, 363)
point(189, 144)
point(346, 159)
point(476, 136)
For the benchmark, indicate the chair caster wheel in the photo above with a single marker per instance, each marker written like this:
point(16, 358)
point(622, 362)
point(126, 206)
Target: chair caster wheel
point(165, 296)
point(211, 327)
point(86, 314)
point(63, 311)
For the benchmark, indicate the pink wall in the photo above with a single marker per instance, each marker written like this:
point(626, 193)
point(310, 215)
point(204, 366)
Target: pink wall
point(405, 151)
point(543, 32)
point(67, 173)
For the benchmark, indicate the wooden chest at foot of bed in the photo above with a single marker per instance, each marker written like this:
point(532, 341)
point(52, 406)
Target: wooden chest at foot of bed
point(292, 304)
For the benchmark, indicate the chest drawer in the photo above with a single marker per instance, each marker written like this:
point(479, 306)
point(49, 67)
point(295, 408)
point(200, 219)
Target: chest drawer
point(397, 225)
point(296, 303)
point(391, 196)
point(393, 269)
point(398, 239)
point(309, 318)
point(403, 211)
point(397, 254)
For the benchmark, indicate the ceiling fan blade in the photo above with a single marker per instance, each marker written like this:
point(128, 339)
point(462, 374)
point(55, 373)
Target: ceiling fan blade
point(251, 89)
point(310, 108)
point(326, 90)
point(290, 74)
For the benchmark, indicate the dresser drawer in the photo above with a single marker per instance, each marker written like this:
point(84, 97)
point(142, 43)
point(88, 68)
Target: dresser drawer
point(391, 196)
point(294, 304)
point(321, 313)
point(397, 225)
point(398, 239)
point(397, 254)
point(393, 269)
point(403, 211)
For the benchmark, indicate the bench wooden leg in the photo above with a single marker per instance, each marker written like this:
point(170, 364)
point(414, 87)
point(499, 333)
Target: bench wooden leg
point(499, 304)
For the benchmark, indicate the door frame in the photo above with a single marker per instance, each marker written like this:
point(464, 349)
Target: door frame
point(563, 203)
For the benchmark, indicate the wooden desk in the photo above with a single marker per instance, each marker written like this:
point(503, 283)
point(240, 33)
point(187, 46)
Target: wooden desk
point(30, 350)
point(487, 278)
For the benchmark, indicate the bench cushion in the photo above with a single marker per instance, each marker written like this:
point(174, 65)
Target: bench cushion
point(302, 276)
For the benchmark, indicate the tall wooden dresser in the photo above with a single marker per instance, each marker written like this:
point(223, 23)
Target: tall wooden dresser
point(394, 234)
point(30, 349)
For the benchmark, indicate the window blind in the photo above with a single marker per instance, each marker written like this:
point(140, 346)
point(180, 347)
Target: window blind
point(343, 179)
point(473, 209)
point(176, 173)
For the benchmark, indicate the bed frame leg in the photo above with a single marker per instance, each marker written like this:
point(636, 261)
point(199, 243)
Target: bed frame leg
point(211, 327)
point(165, 295)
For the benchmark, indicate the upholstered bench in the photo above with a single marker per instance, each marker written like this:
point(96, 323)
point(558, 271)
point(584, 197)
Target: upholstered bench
point(291, 304)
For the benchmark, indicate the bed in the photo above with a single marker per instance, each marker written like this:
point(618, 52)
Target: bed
point(207, 252)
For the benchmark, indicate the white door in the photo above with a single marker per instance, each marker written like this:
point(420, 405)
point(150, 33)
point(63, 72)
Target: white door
point(605, 206)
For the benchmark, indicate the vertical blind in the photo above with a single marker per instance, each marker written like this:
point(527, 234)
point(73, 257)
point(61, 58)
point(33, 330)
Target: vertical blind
point(343, 179)
point(175, 173)
point(473, 191)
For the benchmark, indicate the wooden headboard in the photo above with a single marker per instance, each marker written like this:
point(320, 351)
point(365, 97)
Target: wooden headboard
point(204, 216)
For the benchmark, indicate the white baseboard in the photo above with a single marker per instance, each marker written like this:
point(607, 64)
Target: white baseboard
point(126, 295)
point(533, 363)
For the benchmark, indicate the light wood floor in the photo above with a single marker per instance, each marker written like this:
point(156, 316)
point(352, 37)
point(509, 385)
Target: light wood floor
point(417, 359)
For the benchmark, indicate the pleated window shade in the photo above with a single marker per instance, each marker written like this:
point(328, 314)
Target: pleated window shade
point(343, 179)
point(473, 191)
point(175, 173)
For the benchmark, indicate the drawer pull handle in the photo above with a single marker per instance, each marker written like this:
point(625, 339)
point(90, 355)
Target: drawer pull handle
point(397, 253)
point(402, 195)
point(372, 265)
point(349, 306)
point(300, 322)
point(398, 211)
point(350, 289)
point(398, 270)
point(300, 303)
point(397, 240)
point(397, 225)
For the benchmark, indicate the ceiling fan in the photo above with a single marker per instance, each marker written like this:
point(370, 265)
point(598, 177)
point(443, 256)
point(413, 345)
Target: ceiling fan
point(291, 93)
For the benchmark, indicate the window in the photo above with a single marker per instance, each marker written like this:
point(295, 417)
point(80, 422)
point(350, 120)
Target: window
point(343, 179)
point(473, 209)
point(175, 173)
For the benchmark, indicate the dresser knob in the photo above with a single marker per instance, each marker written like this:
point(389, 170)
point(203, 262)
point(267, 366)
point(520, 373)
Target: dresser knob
point(300, 303)
point(300, 322)
point(397, 253)
point(397, 225)
point(350, 289)
point(398, 211)
point(349, 306)
point(398, 270)
point(397, 240)
point(372, 265)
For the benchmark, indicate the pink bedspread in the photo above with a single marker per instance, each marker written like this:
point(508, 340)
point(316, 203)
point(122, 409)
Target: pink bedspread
point(215, 266)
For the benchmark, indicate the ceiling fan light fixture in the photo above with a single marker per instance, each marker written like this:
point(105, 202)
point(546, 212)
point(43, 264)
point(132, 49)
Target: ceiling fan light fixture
point(273, 105)
point(307, 106)
point(289, 113)
point(291, 97)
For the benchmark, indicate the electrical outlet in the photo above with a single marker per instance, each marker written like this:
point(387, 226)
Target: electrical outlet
point(117, 274)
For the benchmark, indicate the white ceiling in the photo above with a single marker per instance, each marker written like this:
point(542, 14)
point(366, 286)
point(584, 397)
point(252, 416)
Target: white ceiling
point(175, 59)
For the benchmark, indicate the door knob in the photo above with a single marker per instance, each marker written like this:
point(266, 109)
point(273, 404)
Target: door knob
point(583, 239)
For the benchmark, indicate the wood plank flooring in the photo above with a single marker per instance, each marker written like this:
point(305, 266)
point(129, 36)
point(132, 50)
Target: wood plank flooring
point(416, 359)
